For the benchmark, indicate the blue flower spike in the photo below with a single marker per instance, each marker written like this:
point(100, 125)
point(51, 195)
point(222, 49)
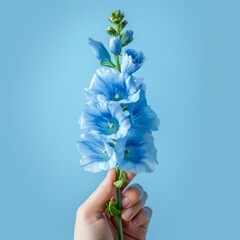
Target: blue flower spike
point(117, 122)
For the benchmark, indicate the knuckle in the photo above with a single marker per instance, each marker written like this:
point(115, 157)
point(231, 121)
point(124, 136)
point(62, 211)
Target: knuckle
point(138, 190)
point(148, 211)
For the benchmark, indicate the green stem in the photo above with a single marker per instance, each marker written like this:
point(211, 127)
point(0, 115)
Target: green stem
point(119, 207)
point(118, 66)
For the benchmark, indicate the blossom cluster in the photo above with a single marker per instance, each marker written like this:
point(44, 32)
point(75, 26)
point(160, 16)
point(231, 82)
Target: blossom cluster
point(117, 122)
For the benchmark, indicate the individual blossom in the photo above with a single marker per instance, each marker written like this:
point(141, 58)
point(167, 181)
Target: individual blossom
point(115, 45)
point(140, 154)
point(99, 51)
point(111, 85)
point(107, 119)
point(97, 154)
point(132, 60)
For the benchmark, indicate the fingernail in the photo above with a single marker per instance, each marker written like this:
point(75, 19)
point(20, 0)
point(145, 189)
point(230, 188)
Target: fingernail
point(125, 202)
point(127, 213)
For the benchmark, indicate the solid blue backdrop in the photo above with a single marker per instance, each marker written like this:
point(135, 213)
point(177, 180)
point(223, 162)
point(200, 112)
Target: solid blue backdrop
point(192, 72)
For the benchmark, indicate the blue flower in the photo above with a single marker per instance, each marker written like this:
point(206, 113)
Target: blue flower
point(107, 120)
point(97, 154)
point(143, 115)
point(111, 85)
point(99, 51)
point(115, 45)
point(140, 154)
point(132, 60)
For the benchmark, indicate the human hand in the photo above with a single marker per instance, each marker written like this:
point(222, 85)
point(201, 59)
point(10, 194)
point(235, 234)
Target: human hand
point(94, 223)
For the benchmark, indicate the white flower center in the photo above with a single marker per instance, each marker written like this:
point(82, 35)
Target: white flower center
point(116, 97)
point(104, 151)
point(111, 125)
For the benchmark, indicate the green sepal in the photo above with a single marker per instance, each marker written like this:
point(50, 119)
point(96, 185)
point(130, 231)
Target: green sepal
point(112, 209)
point(107, 64)
point(121, 180)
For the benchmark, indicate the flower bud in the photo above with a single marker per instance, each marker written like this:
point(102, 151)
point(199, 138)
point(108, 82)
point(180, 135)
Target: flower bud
point(111, 19)
point(99, 51)
point(123, 25)
point(111, 31)
point(116, 17)
point(115, 45)
point(117, 14)
point(116, 21)
point(126, 38)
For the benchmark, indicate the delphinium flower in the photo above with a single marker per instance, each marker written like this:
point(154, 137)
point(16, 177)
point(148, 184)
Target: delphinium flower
point(111, 85)
point(107, 119)
point(117, 122)
point(139, 148)
point(97, 154)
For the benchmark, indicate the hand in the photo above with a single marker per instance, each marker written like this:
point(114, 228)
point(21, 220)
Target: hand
point(94, 223)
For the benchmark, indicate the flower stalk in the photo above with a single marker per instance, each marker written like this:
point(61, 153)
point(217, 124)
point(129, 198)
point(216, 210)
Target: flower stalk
point(118, 66)
point(115, 208)
point(117, 122)
point(119, 203)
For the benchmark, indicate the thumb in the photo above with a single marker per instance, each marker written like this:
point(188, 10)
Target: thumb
point(96, 203)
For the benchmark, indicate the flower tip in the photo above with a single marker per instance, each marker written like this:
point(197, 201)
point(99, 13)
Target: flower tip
point(91, 42)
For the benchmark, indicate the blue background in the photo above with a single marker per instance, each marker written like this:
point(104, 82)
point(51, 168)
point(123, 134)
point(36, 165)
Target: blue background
point(192, 72)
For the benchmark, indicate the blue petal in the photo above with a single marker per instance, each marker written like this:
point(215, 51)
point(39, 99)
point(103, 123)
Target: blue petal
point(132, 60)
point(140, 152)
point(97, 155)
point(107, 119)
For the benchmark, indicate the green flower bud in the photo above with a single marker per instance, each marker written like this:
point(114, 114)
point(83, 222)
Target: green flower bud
point(121, 17)
point(123, 25)
point(116, 17)
point(111, 31)
point(116, 21)
point(111, 19)
point(117, 13)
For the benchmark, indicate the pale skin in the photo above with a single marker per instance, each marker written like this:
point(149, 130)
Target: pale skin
point(94, 223)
